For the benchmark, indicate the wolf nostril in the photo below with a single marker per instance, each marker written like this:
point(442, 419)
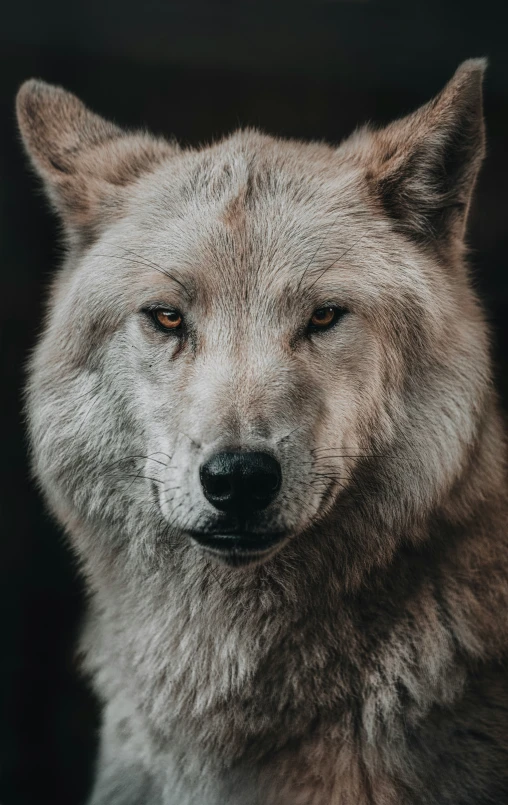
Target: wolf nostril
point(241, 481)
point(219, 485)
point(263, 485)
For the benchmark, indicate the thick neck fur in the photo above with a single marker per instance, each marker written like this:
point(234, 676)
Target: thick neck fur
point(239, 661)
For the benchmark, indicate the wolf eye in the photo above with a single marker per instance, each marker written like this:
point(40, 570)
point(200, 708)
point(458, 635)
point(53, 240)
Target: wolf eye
point(167, 319)
point(325, 317)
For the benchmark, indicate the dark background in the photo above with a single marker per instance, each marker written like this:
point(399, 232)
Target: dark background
point(195, 69)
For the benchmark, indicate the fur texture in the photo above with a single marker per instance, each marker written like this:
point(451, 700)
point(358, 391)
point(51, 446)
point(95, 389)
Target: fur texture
point(362, 662)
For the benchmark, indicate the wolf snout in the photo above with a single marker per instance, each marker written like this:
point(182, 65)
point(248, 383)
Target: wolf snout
point(241, 482)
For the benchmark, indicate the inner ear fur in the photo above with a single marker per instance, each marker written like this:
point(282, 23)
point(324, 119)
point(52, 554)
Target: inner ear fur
point(423, 167)
point(86, 162)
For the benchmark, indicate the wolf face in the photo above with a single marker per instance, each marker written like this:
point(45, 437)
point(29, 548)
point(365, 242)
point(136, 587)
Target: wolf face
point(248, 337)
point(267, 354)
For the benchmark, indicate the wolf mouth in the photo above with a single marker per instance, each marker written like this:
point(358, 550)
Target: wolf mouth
point(240, 547)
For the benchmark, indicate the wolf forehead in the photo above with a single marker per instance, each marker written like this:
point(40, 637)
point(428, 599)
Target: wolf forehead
point(251, 187)
point(249, 167)
point(251, 204)
point(253, 201)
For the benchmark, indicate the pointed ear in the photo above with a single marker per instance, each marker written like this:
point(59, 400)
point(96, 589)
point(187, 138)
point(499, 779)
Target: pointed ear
point(86, 163)
point(423, 168)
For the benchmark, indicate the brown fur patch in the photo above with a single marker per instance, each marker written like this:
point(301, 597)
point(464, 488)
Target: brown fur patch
point(234, 214)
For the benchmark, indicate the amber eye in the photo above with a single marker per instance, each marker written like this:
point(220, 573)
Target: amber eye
point(324, 317)
point(167, 319)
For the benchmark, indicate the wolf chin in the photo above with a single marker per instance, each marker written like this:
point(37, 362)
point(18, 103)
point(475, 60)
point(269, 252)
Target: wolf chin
point(262, 410)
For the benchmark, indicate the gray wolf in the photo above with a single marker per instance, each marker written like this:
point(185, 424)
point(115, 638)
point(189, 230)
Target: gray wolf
point(262, 410)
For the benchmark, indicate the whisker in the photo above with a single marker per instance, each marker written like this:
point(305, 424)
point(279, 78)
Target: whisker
point(327, 231)
point(139, 477)
point(157, 267)
point(335, 262)
point(284, 438)
point(140, 457)
point(146, 264)
point(351, 455)
point(338, 447)
point(332, 476)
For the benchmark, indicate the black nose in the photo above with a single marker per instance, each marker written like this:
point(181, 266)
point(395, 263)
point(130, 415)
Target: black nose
point(241, 482)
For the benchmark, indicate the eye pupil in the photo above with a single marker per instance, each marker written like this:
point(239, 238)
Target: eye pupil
point(168, 319)
point(323, 317)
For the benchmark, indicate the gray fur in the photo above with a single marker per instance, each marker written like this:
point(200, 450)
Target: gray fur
point(361, 662)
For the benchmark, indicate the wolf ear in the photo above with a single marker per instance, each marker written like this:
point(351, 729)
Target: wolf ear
point(86, 162)
point(423, 168)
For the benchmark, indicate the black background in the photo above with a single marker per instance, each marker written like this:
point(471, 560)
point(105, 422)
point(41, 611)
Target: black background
point(197, 70)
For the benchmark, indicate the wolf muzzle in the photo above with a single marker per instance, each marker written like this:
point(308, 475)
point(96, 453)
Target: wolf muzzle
point(239, 484)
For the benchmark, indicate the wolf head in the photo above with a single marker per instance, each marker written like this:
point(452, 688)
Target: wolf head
point(259, 342)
